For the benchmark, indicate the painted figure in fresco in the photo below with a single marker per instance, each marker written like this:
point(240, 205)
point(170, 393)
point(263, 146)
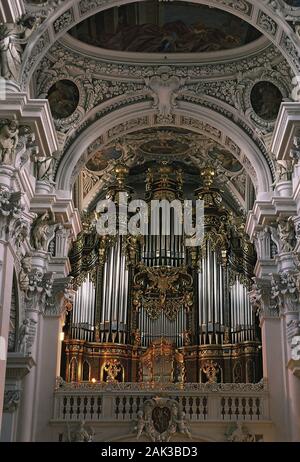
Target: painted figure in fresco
point(168, 30)
point(63, 98)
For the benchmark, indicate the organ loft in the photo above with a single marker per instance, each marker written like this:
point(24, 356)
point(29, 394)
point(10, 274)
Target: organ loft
point(149, 221)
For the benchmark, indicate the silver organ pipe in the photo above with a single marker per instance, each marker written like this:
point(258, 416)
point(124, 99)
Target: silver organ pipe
point(114, 310)
point(214, 310)
point(82, 321)
point(241, 313)
point(162, 327)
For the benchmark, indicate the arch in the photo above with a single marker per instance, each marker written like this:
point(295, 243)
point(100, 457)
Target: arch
point(71, 12)
point(186, 116)
point(73, 370)
point(86, 371)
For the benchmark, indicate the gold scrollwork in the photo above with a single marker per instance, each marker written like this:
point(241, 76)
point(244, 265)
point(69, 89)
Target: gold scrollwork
point(163, 289)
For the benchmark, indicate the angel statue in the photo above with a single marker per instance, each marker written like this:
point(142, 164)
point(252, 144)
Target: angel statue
point(238, 433)
point(164, 89)
point(12, 39)
point(82, 434)
point(26, 268)
point(45, 167)
point(182, 425)
point(23, 335)
point(43, 231)
point(9, 138)
point(286, 231)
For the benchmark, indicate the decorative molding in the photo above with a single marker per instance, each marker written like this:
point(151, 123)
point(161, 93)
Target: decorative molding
point(161, 419)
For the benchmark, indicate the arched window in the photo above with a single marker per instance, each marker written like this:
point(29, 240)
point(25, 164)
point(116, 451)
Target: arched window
point(86, 371)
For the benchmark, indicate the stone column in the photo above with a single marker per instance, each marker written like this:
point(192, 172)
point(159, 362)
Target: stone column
point(48, 308)
point(50, 342)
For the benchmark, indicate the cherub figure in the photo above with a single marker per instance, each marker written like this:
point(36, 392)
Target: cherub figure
point(9, 137)
point(182, 425)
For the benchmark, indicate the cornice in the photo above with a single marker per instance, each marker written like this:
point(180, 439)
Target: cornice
point(106, 67)
point(34, 112)
point(287, 125)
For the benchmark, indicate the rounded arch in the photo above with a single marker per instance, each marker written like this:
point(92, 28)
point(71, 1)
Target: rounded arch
point(187, 115)
point(71, 12)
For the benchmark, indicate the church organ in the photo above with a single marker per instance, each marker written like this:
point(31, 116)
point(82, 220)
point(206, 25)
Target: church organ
point(151, 308)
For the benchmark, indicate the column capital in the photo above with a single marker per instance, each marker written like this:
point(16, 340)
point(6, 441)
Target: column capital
point(62, 298)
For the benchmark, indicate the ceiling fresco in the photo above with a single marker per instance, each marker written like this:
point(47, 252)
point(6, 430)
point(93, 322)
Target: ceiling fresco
point(101, 160)
point(169, 27)
point(151, 146)
point(266, 99)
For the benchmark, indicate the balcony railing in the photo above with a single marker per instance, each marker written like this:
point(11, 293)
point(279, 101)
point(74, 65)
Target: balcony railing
point(122, 401)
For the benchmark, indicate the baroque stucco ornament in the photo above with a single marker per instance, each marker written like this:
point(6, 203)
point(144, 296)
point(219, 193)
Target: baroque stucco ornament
point(164, 88)
point(12, 39)
point(161, 419)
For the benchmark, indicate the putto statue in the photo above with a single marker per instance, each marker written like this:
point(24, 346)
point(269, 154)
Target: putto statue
point(239, 433)
point(81, 434)
point(160, 420)
point(9, 137)
point(43, 231)
point(183, 426)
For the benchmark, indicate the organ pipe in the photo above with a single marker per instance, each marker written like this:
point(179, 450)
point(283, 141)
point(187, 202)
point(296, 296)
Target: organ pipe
point(220, 310)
